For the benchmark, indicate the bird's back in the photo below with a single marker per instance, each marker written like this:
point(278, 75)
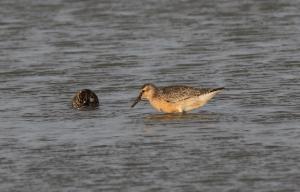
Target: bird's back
point(180, 92)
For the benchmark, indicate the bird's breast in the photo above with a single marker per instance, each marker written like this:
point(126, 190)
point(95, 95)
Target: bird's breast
point(164, 106)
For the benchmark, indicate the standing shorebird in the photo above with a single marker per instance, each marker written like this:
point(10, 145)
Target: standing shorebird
point(177, 98)
point(85, 99)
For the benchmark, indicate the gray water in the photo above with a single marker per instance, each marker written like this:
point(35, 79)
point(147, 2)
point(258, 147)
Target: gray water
point(246, 139)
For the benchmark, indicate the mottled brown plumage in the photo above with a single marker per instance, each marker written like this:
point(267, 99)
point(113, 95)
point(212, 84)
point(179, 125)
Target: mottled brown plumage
point(177, 98)
point(85, 99)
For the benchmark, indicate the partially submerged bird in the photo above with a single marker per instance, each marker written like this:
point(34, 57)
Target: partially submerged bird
point(85, 99)
point(177, 98)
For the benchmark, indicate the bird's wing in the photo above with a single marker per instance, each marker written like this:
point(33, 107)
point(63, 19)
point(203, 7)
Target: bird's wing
point(178, 93)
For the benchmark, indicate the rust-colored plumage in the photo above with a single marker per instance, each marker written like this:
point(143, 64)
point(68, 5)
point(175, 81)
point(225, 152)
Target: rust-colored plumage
point(177, 98)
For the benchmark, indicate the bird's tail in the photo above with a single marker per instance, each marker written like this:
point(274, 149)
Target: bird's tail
point(217, 89)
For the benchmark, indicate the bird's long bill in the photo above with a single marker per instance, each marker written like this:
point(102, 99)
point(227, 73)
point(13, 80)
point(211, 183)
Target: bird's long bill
point(137, 100)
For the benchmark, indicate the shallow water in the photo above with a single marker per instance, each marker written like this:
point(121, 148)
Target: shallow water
point(246, 139)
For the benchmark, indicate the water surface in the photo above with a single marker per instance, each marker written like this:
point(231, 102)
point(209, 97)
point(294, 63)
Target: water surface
point(246, 139)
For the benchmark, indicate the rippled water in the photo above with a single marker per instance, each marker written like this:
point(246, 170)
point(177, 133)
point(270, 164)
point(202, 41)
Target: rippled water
point(246, 139)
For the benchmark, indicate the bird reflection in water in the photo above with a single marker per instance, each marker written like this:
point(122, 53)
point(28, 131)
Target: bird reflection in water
point(202, 117)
